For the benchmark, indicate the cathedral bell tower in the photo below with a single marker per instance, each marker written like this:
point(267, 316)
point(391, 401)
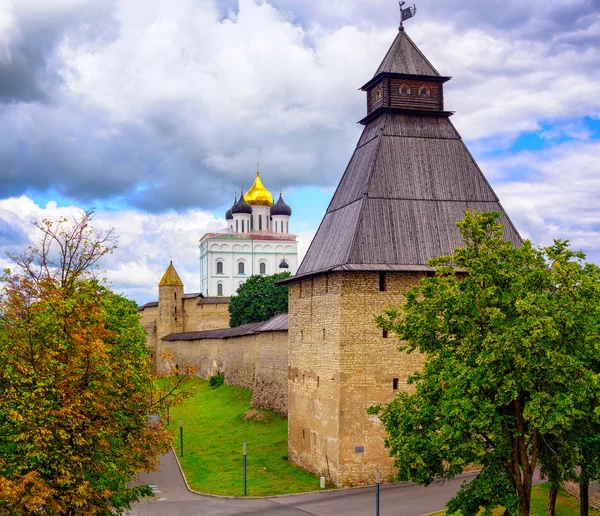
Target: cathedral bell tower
point(410, 179)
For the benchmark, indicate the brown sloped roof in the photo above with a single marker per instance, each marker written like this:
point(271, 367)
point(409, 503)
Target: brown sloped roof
point(410, 179)
point(213, 300)
point(404, 57)
point(276, 323)
point(170, 278)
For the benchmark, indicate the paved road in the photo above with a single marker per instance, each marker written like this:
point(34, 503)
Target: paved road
point(173, 499)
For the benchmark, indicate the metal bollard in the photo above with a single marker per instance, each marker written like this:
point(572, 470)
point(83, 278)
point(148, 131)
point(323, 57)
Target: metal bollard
point(181, 435)
point(376, 492)
point(244, 469)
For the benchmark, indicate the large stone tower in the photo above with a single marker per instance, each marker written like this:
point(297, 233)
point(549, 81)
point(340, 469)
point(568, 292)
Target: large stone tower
point(409, 181)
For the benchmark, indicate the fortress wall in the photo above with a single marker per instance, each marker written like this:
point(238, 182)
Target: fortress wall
point(594, 493)
point(258, 362)
point(210, 316)
point(148, 317)
point(271, 371)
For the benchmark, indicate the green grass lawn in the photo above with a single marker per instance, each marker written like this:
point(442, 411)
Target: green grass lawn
point(566, 505)
point(214, 432)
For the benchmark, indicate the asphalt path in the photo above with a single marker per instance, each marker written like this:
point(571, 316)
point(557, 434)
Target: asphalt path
point(174, 499)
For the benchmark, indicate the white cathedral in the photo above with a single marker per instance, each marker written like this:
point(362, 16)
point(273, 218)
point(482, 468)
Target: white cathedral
point(256, 241)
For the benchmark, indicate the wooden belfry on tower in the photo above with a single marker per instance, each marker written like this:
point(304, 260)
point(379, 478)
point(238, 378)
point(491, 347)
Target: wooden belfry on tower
point(410, 179)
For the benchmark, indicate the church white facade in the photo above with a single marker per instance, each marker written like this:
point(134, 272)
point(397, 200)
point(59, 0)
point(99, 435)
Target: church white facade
point(256, 241)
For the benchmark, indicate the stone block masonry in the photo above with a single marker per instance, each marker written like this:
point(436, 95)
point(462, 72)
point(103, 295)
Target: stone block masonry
point(255, 360)
point(341, 364)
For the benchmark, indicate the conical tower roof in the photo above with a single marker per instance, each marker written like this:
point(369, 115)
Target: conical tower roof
point(170, 278)
point(404, 57)
point(410, 179)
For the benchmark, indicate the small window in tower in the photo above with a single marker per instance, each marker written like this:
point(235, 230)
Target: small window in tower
point(260, 222)
point(219, 267)
point(220, 289)
point(287, 227)
point(251, 223)
point(275, 226)
point(175, 310)
point(243, 226)
point(405, 89)
point(384, 334)
point(378, 94)
point(382, 282)
point(175, 294)
point(395, 384)
point(263, 268)
point(236, 226)
point(241, 268)
point(424, 91)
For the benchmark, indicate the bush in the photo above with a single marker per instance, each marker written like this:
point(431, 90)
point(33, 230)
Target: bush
point(217, 381)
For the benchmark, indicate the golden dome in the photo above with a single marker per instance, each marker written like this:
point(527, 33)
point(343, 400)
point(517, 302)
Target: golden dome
point(258, 194)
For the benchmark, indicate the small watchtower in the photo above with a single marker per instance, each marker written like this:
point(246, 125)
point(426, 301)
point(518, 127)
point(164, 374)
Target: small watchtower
point(410, 179)
point(170, 307)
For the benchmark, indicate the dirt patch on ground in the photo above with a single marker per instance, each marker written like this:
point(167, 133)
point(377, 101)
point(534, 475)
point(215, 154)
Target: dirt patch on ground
point(255, 415)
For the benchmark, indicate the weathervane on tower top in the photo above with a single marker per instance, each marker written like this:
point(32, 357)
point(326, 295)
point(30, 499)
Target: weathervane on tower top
point(406, 14)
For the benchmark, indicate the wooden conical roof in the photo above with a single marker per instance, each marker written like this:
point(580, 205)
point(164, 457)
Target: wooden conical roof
point(410, 179)
point(404, 57)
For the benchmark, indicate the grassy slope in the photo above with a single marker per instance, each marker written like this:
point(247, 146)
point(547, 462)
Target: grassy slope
point(566, 505)
point(214, 433)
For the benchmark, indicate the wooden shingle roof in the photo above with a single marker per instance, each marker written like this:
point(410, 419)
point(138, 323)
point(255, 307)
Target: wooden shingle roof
point(404, 57)
point(410, 179)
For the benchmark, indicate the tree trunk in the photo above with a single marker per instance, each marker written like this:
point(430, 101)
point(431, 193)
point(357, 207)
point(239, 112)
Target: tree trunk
point(552, 500)
point(584, 487)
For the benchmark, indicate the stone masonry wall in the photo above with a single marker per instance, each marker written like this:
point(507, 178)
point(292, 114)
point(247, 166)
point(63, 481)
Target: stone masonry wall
point(340, 364)
point(594, 493)
point(370, 367)
point(258, 362)
point(206, 316)
point(314, 374)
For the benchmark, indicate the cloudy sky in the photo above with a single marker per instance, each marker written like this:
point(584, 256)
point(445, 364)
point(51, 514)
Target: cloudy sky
point(155, 113)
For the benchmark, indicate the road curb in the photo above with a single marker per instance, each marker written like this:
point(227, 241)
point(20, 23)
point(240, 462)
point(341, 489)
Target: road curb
point(324, 491)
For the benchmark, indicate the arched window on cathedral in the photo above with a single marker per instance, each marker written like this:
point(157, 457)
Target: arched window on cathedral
point(242, 226)
point(260, 222)
point(236, 226)
point(275, 226)
point(219, 289)
point(219, 267)
point(241, 268)
point(263, 268)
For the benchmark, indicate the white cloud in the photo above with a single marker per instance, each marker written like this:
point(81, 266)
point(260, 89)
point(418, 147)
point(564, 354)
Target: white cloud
point(558, 197)
point(146, 242)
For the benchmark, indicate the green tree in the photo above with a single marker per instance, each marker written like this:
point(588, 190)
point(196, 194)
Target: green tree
point(259, 299)
point(76, 385)
point(507, 335)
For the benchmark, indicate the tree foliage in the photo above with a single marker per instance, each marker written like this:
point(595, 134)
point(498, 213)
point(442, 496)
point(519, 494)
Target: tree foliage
point(511, 338)
point(76, 385)
point(259, 299)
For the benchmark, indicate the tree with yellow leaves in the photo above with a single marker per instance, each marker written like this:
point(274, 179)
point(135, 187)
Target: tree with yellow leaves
point(76, 385)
